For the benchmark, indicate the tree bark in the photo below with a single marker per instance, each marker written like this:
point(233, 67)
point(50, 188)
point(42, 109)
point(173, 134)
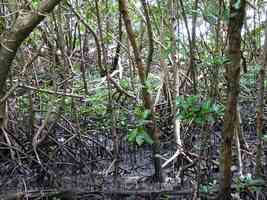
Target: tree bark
point(192, 43)
point(260, 109)
point(102, 69)
point(118, 47)
point(100, 30)
point(232, 75)
point(193, 48)
point(154, 131)
point(11, 40)
point(150, 37)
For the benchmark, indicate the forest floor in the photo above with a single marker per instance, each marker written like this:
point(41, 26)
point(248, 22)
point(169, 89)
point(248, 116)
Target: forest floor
point(81, 165)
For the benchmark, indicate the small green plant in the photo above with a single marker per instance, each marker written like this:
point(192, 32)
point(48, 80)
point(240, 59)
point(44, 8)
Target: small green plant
point(247, 81)
point(125, 84)
point(139, 135)
point(206, 188)
point(249, 184)
point(35, 3)
point(44, 100)
point(201, 112)
point(23, 103)
point(264, 138)
point(97, 104)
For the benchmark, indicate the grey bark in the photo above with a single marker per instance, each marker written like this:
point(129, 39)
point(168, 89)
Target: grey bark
point(12, 39)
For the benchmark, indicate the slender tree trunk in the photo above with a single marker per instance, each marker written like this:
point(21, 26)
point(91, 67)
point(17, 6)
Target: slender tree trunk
point(175, 75)
point(150, 36)
point(154, 131)
point(102, 70)
point(83, 70)
point(193, 48)
point(214, 81)
point(100, 30)
point(232, 75)
point(192, 43)
point(118, 47)
point(260, 109)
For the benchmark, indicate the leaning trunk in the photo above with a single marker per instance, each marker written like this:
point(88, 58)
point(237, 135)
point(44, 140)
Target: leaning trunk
point(10, 42)
point(154, 131)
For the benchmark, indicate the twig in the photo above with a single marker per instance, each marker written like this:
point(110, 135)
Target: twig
point(36, 141)
point(177, 153)
point(11, 90)
point(251, 5)
point(120, 88)
point(25, 188)
point(239, 155)
point(162, 75)
point(31, 60)
point(106, 77)
point(204, 158)
point(50, 91)
point(82, 20)
point(110, 167)
point(12, 153)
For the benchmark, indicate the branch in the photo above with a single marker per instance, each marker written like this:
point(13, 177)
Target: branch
point(119, 88)
point(12, 89)
point(99, 59)
point(12, 39)
point(50, 92)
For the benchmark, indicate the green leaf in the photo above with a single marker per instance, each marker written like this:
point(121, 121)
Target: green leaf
point(144, 122)
point(179, 100)
point(141, 130)
point(199, 120)
point(146, 114)
point(35, 3)
point(139, 136)
point(67, 100)
point(206, 107)
point(124, 84)
point(264, 138)
point(190, 108)
point(192, 99)
point(256, 182)
point(148, 139)
point(132, 135)
point(210, 119)
point(265, 83)
point(140, 139)
point(237, 5)
point(204, 189)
